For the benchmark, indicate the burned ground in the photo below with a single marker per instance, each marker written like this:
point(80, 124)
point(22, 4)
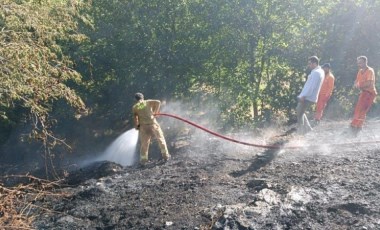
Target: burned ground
point(323, 180)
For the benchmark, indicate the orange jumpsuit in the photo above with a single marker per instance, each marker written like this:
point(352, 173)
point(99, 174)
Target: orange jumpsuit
point(144, 120)
point(324, 95)
point(365, 81)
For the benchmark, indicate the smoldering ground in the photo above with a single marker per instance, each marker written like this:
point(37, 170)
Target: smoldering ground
point(214, 184)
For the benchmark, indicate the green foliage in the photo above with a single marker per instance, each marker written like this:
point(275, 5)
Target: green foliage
point(35, 71)
point(351, 29)
point(247, 56)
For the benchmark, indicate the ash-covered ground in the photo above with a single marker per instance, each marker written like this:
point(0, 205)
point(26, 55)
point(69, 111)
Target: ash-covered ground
point(323, 180)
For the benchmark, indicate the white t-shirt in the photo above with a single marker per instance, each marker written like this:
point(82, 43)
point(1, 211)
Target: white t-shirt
point(313, 85)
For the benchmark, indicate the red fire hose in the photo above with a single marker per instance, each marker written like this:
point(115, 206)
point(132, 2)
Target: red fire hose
point(252, 144)
point(219, 135)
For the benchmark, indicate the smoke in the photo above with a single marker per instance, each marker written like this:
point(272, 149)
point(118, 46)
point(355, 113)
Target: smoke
point(207, 115)
point(327, 139)
point(202, 113)
point(331, 139)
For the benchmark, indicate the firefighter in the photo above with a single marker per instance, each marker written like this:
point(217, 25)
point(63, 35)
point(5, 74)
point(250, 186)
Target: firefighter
point(146, 123)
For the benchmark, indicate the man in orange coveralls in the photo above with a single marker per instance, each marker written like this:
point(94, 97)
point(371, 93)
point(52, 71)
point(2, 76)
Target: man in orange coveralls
point(365, 82)
point(325, 92)
point(145, 122)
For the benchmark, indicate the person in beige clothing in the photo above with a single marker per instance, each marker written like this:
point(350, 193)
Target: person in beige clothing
point(146, 123)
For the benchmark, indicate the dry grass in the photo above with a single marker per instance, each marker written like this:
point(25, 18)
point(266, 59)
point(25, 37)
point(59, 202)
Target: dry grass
point(18, 204)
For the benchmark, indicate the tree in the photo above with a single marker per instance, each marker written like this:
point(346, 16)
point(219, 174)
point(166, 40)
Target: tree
point(35, 71)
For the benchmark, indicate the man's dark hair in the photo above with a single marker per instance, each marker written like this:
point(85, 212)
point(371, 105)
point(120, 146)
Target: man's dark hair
point(139, 96)
point(326, 65)
point(314, 59)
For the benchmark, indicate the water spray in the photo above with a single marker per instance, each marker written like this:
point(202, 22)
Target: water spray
point(122, 149)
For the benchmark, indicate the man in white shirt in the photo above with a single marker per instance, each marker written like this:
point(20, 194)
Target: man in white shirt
point(309, 94)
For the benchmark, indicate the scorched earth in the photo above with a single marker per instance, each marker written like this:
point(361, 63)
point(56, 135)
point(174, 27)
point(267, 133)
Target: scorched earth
point(324, 180)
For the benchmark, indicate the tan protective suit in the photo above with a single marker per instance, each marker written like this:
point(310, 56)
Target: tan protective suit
point(145, 122)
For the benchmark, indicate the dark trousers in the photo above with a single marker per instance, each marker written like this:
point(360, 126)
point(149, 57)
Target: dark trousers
point(303, 125)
